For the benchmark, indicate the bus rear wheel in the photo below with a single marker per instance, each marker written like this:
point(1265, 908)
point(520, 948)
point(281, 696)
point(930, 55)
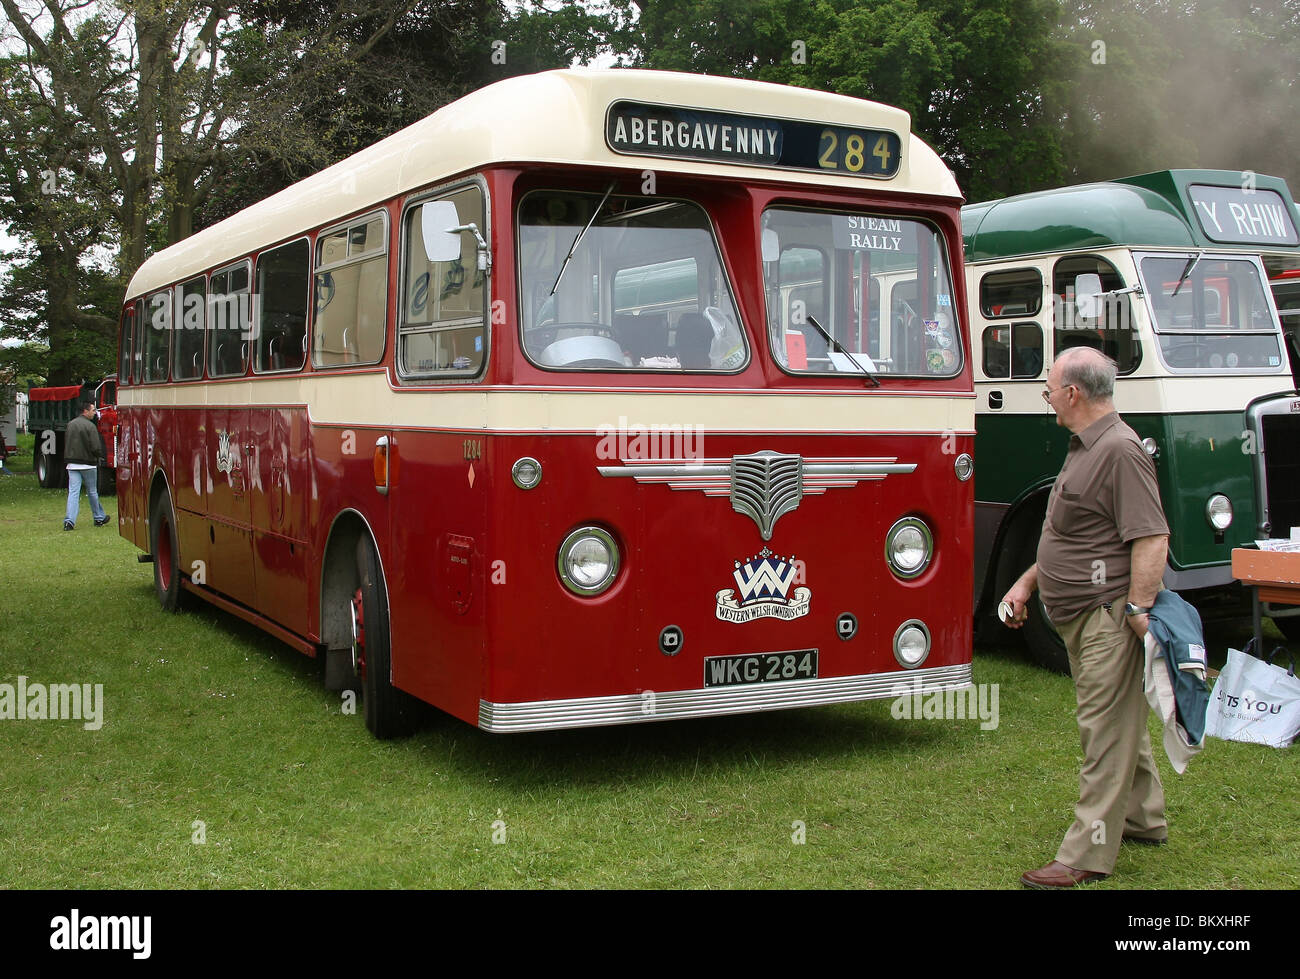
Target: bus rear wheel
point(389, 712)
point(165, 547)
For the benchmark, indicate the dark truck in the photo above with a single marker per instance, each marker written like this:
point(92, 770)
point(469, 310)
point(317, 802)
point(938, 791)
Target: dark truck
point(48, 412)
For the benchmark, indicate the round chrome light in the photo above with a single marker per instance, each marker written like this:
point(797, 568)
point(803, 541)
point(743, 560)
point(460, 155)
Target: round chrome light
point(909, 545)
point(912, 643)
point(963, 466)
point(1152, 447)
point(588, 561)
point(1218, 511)
point(526, 472)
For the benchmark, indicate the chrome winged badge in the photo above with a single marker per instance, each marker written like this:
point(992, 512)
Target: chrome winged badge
point(765, 485)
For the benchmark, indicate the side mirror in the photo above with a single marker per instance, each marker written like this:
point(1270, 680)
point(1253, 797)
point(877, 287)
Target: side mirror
point(438, 219)
point(771, 245)
point(1087, 289)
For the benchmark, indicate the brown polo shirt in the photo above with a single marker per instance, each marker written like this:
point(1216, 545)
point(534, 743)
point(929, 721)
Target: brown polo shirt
point(1104, 498)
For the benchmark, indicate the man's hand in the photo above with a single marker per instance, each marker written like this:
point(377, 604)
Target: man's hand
point(1139, 624)
point(1018, 598)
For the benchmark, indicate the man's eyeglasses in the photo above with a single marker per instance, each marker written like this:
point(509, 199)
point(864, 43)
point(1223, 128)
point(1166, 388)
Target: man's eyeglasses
point(1047, 395)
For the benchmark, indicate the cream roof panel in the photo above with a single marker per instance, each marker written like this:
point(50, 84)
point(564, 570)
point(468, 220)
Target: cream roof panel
point(556, 117)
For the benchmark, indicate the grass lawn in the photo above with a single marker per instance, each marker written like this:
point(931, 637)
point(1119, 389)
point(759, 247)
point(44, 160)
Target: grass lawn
point(213, 731)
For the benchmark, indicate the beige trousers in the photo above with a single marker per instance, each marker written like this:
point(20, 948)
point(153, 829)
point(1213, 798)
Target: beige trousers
point(1119, 788)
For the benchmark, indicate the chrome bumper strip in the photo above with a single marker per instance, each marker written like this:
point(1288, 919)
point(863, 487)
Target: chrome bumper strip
point(549, 715)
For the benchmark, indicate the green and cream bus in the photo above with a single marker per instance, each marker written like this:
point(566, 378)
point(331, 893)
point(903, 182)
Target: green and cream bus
point(1166, 273)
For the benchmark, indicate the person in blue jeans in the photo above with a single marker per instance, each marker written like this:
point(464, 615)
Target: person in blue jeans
point(82, 452)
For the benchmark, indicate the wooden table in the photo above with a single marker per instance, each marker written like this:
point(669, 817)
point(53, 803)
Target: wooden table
point(1271, 576)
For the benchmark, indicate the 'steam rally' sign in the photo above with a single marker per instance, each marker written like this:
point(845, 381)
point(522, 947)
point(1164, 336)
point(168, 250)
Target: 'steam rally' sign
point(724, 137)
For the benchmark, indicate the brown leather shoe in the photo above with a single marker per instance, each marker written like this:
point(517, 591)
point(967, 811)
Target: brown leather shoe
point(1056, 875)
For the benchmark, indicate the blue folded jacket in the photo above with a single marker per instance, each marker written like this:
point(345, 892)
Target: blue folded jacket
point(1176, 626)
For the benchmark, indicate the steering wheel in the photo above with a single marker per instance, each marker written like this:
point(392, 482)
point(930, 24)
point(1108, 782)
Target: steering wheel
point(583, 351)
point(541, 337)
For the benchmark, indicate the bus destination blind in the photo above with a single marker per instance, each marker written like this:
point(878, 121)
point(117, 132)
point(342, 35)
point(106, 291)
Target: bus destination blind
point(723, 137)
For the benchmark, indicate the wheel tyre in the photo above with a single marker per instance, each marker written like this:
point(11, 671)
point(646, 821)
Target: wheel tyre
point(165, 547)
point(389, 712)
point(46, 466)
point(107, 475)
point(1046, 647)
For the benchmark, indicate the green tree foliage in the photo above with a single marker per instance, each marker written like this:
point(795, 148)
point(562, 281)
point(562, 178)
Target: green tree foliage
point(972, 73)
point(1154, 84)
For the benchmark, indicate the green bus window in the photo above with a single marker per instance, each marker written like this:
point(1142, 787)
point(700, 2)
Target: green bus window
point(351, 294)
point(1211, 312)
point(443, 323)
point(282, 288)
point(1108, 326)
point(187, 348)
point(1015, 292)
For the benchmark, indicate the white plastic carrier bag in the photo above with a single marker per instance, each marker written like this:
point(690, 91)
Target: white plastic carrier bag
point(1255, 701)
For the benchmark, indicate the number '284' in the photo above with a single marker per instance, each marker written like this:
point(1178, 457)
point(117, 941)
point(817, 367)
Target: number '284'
point(850, 152)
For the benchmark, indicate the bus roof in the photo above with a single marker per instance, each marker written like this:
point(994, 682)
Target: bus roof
point(555, 117)
point(1164, 209)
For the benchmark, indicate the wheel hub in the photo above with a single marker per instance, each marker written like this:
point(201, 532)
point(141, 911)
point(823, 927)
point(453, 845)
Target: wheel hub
point(358, 635)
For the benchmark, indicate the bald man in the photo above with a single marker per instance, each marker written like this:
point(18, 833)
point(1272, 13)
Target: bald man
point(1101, 557)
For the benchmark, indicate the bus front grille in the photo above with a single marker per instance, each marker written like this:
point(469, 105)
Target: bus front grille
point(1282, 472)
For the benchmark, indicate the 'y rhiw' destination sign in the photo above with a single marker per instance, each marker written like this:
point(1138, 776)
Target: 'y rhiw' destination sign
point(1247, 217)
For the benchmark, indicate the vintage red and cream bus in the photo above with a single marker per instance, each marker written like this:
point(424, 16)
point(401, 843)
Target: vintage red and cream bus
point(519, 412)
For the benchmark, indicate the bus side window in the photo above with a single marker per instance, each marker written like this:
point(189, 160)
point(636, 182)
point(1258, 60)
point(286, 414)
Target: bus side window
point(229, 322)
point(443, 323)
point(157, 336)
point(1112, 330)
point(1026, 350)
point(124, 344)
point(282, 288)
point(1013, 292)
point(187, 350)
point(351, 294)
point(997, 351)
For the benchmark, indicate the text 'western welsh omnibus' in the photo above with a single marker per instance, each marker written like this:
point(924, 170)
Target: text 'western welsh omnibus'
point(1165, 272)
point(596, 397)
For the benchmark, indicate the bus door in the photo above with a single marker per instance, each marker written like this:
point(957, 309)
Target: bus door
point(277, 502)
point(230, 462)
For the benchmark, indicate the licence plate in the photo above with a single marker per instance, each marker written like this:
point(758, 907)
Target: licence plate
point(731, 671)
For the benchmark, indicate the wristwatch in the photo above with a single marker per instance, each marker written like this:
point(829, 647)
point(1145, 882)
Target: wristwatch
point(1131, 609)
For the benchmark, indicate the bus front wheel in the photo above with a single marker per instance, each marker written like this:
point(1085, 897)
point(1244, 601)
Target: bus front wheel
point(165, 547)
point(389, 712)
point(1044, 642)
point(1046, 648)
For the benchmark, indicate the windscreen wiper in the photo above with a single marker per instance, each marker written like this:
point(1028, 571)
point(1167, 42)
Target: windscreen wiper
point(578, 240)
point(840, 349)
point(1187, 270)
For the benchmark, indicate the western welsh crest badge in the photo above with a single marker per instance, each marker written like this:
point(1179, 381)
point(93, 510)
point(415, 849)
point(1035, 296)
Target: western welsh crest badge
point(223, 452)
point(762, 590)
